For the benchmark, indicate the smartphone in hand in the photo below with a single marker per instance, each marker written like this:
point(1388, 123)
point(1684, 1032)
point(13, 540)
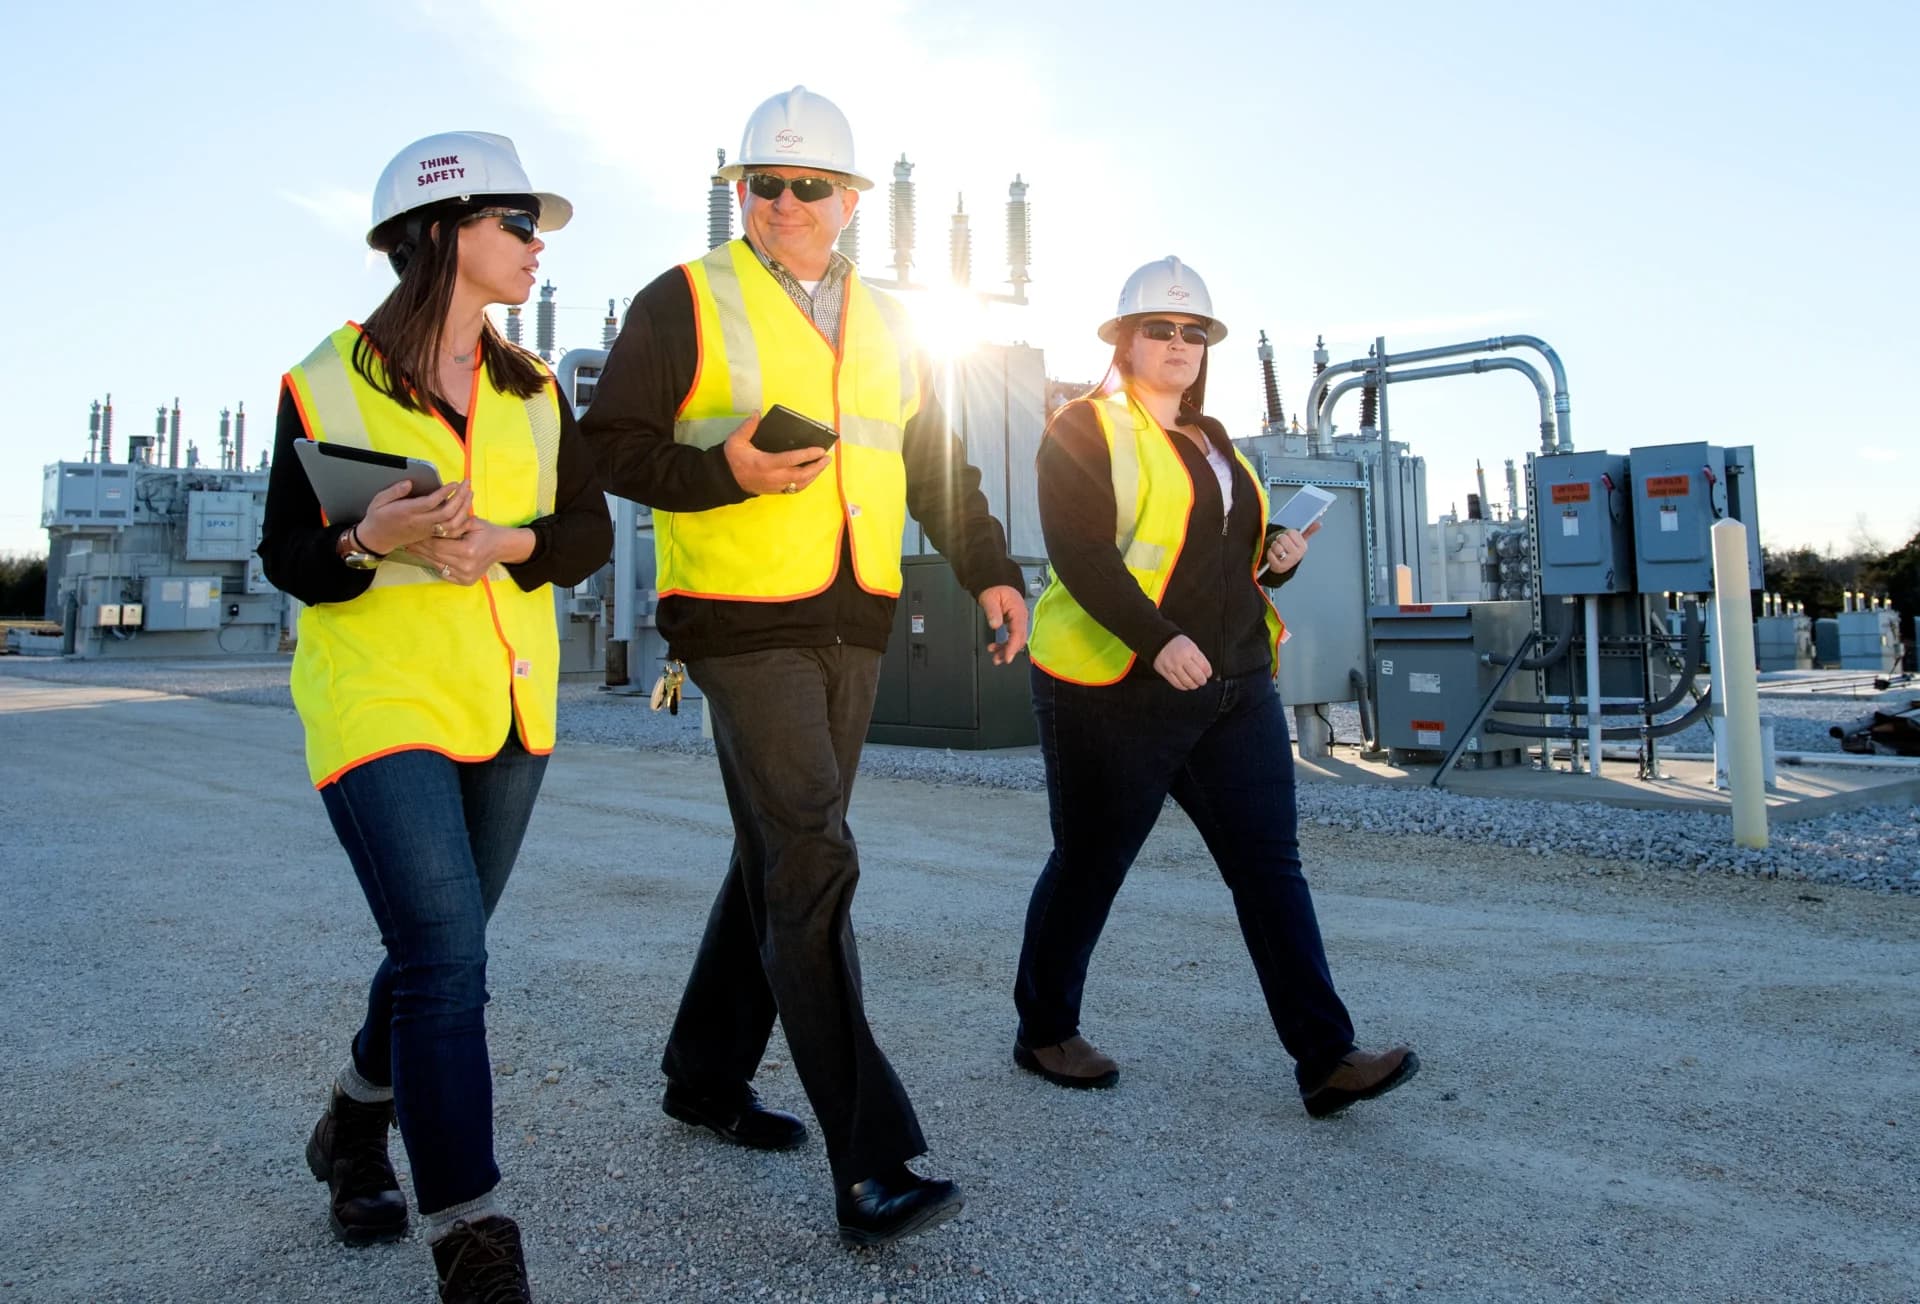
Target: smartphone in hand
point(782, 430)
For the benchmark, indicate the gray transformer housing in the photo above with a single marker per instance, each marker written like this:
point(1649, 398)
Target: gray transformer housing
point(1680, 491)
point(938, 684)
point(1585, 521)
point(1436, 663)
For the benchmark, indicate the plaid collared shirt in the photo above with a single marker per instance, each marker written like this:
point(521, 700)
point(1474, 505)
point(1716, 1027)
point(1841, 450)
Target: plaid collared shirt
point(823, 305)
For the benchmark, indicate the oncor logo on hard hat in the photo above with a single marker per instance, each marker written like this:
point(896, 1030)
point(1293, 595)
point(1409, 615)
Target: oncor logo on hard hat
point(788, 140)
point(1178, 293)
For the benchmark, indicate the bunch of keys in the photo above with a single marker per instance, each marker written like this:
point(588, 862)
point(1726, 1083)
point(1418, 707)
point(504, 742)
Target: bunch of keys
point(666, 689)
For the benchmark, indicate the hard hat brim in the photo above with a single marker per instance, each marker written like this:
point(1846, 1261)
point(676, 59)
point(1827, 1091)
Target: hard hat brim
point(738, 171)
point(1109, 331)
point(555, 212)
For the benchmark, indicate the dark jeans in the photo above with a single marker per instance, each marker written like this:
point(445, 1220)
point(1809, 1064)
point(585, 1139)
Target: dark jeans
point(1113, 755)
point(788, 725)
point(432, 841)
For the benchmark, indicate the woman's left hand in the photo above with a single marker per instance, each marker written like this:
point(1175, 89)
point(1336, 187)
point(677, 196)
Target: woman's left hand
point(1288, 548)
point(466, 559)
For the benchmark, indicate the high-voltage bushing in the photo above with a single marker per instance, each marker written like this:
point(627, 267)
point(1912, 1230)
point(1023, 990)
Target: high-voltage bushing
point(960, 245)
point(1274, 419)
point(514, 328)
point(848, 242)
point(543, 323)
point(900, 213)
point(1019, 238)
point(719, 206)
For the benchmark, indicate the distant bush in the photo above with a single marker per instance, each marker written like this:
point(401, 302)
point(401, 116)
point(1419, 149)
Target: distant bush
point(23, 587)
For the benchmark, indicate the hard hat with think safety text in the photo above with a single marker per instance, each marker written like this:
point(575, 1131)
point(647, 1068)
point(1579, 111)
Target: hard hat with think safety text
point(797, 129)
point(1168, 285)
point(455, 165)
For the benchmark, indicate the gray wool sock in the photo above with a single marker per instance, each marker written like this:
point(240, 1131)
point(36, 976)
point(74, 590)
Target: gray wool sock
point(441, 1221)
point(355, 1087)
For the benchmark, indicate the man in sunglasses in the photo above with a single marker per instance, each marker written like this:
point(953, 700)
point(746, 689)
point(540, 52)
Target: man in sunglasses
point(778, 576)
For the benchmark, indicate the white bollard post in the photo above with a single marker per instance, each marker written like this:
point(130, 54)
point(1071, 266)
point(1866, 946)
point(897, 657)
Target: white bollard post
point(1738, 686)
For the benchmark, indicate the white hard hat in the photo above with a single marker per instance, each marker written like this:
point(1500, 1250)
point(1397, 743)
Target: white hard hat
point(456, 165)
point(797, 129)
point(1168, 285)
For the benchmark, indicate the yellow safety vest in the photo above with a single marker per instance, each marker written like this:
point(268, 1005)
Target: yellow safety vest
point(1153, 497)
point(757, 348)
point(417, 663)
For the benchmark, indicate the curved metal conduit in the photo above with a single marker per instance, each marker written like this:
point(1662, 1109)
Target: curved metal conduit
point(1323, 424)
point(1554, 655)
point(1694, 714)
point(1562, 404)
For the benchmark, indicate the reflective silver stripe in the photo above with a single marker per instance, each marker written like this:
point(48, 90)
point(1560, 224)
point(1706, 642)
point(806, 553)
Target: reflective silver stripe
point(543, 418)
point(868, 432)
point(1143, 556)
point(1124, 453)
point(900, 327)
point(736, 331)
point(705, 432)
point(337, 411)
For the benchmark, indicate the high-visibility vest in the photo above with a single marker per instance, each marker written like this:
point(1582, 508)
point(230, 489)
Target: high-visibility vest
point(1153, 498)
point(757, 348)
point(416, 662)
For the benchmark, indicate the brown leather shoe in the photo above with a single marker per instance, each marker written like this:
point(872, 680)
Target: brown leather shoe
point(1361, 1075)
point(1072, 1063)
point(482, 1263)
point(348, 1151)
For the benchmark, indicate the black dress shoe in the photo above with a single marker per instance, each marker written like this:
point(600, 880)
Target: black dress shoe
point(881, 1210)
point(742, 1120)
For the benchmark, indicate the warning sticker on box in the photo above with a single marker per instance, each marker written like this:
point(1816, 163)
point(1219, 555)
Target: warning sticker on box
point(919, 624)
point(1570, 524)
point(1428, 733)
point(1417, 683)
point(1668, 486)
point(1669, 520)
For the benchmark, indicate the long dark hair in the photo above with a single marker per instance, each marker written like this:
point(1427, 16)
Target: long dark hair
point(398, 351)
point(1120, 372)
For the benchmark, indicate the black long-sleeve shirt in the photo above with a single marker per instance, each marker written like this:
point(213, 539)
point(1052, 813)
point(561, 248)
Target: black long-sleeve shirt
point(1210, 597)
point(298, 551)
point(630, 428)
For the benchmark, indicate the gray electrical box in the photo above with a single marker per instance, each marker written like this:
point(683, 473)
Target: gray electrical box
point(1679, 492)
point(1783, 642)
point(1432, 676)
point(220, 526)
point(1869, 640)
point(1743, 504)
point(938, 684)
point(1580, 502)
point(176, 602)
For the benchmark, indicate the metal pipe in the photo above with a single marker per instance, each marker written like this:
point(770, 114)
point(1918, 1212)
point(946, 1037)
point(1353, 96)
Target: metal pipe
point(1325, 425)
point(1562, 405)
point(1593, 684)
point(1389, 490)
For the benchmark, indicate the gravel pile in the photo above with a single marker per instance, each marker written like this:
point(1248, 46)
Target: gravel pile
point(1876, 847)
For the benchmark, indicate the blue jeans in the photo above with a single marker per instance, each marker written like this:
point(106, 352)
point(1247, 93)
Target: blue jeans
point(1113, 755)
point(432, 841)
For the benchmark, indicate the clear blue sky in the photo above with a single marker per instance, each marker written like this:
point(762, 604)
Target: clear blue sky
point(1708, 209)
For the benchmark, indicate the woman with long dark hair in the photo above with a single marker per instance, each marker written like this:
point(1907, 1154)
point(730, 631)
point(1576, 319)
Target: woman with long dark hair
point(1154, 655)
point(427, 670)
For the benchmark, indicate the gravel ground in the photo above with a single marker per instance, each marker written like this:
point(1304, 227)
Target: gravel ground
point(1638, 1084)
point(1875, 847)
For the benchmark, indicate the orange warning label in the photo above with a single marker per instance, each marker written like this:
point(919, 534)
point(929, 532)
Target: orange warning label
point(1573, 493)
point(1668, 486)
point(1429, 726)
point(1416, 608)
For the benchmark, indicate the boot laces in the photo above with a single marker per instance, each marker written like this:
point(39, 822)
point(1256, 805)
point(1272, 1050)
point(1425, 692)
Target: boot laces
point(489, 1260)
point(360, 1151)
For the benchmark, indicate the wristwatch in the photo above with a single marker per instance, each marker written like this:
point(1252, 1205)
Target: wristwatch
point(354, 553)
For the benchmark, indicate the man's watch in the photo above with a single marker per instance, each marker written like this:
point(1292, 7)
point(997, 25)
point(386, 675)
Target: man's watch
point(354, 553)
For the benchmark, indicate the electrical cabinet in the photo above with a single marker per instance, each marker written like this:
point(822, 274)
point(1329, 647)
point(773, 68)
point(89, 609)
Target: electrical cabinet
point(938, 684)
point(1869, 640)
point(1783, 642)
point(220, 526)
point(176, 602)
point(1435, 663)
point(1580, 502)
point(1680, 491)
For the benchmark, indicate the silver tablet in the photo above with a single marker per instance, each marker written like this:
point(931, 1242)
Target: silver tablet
point(345, 479)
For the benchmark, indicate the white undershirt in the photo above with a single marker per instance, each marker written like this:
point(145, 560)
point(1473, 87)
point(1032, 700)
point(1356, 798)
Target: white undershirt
point(811, 287)
point(1223, 472)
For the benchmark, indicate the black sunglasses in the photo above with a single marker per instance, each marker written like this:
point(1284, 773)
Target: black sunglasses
point(517, 222)
point(808, 190)
point(1159, 328)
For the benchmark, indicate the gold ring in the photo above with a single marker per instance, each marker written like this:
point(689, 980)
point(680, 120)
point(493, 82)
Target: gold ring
point(446, 572)
point(791, 488)
point(439, 531)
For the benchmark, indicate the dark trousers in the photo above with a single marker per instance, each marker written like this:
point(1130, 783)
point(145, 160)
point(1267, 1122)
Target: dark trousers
point(1113, 755)
point(788, 725)
point(432, 841)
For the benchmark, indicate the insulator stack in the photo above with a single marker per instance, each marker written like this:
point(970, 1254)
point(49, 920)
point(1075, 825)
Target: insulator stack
point(173, 438)
point(514, 327)
point(960, 245)
point(1272, 383)
point(719, 207)
point(849, 242)
point(901, 195)
point(226, 438)
point(1320, 360)
point(543, 323)
point(240, 438)
point(1019, 237)
point(610, 328)
point(1369, 405)
point(106, 431)
point(93, 432)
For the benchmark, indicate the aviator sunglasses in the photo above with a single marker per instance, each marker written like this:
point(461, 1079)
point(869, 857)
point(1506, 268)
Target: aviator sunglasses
point(808, 190)
point(517, 222)
point(1163, 330)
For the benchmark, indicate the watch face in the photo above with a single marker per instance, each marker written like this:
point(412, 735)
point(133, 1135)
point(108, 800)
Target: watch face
point(362, 561)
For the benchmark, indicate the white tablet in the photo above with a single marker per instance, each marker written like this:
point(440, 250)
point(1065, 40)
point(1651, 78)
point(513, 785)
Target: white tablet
point(1308, 504)
point(345, 479)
